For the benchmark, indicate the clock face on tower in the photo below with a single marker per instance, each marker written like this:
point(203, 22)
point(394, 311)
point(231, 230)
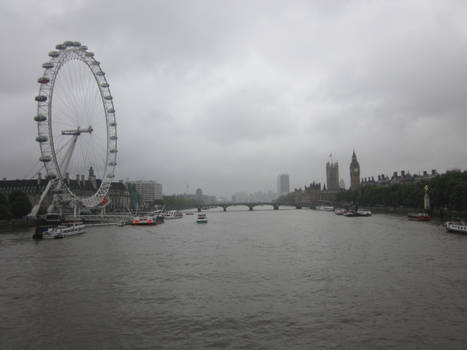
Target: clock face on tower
point(355, 171)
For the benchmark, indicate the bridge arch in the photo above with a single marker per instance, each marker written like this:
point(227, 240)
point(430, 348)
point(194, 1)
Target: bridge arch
point(249, 205)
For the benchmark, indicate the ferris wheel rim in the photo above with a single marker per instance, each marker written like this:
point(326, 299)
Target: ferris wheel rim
point(65, 52)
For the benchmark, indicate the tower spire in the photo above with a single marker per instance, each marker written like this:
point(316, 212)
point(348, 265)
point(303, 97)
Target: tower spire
point(354, 171)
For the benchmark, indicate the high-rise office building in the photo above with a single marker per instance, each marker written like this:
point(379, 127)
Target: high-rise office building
point(149, 191)
point(283, 185)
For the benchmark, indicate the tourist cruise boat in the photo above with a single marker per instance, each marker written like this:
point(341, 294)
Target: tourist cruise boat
point(202, 219)
point(61, 231)
point(54, 226)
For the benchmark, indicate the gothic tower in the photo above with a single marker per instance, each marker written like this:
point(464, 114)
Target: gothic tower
point(332, 176)
point(354, 172)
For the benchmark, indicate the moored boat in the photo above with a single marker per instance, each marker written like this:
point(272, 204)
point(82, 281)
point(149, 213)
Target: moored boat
point(54, 225)
point(173, 214)
point(456, 227)
point(325, 208)
point(419, 216)
point(340, 211)
point(63, 230)
point(202, 219)
point(143, 220)
point(364, 212)
point(358, 212)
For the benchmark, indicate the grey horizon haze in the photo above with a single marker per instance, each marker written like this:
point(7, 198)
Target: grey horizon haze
point(226, 95)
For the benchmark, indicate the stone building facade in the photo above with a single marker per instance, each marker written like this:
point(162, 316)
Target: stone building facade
point(118, 192)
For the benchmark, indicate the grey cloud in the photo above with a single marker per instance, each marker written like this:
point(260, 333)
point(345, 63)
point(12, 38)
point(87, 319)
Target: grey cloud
point(224, 95)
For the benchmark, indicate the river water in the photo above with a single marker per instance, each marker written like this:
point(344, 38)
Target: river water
point(287, 279)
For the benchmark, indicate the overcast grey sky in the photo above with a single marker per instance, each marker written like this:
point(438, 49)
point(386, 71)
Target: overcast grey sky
point(225, 95)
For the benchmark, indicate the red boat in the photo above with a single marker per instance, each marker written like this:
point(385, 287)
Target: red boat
point(419, 216)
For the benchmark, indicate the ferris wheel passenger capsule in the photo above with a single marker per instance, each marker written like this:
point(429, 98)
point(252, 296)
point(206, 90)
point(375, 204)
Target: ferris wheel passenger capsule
point(41, 98)
point(47, 65)
point(43, 80)
point(40, 118)
point(54, 54)
point(42, 138)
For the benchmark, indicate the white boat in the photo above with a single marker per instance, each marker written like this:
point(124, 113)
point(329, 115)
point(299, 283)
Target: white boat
point(143, 220)
point(363, 212)
point(340, 211)
point(173, 214)
point(64, 231)
point(456, 226)
point(202, 219)
point(325, 208)
point(358, 212)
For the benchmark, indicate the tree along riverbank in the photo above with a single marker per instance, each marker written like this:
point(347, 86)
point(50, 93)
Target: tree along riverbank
point(442, 214)
point(14, 224)
point(448, 195)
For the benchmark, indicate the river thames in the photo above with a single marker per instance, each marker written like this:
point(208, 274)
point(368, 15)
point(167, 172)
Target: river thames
point(287, 279)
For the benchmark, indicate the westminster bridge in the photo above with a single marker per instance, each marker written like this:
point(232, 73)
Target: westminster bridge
point(274, 205)
point(250, 205)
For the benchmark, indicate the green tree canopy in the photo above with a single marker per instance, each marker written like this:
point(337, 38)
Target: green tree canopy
point(5, 213)
point(447, 190)
point(19, 204)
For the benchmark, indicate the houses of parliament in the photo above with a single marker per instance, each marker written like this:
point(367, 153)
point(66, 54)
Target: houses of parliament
point(315, 193)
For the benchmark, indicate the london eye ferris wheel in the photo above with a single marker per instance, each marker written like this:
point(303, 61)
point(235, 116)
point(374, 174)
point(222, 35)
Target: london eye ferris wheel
point(76, 125)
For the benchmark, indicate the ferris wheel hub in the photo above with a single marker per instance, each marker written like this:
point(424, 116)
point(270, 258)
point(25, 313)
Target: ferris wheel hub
point(77, 131)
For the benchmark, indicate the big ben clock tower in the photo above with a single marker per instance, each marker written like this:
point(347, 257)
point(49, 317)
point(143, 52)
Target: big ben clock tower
point(354, 172)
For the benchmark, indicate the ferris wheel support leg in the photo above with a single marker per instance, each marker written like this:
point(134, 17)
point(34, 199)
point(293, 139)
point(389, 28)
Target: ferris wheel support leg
point(35, 209)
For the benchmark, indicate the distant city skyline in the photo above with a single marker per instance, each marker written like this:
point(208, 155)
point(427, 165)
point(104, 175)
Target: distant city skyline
point(208, 94)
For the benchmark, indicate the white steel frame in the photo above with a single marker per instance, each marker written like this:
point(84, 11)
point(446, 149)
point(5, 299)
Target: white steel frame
point(56, 169)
